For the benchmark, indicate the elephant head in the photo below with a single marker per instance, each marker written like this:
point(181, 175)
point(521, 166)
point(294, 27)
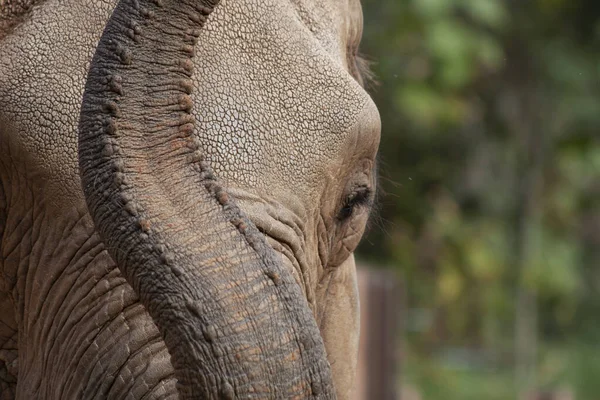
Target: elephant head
point(227, 160)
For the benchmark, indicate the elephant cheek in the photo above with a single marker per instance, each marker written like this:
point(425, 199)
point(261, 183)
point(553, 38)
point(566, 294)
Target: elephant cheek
point(339, 322)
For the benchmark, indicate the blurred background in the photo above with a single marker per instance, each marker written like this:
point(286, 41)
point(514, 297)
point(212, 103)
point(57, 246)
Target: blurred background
point(489, 210)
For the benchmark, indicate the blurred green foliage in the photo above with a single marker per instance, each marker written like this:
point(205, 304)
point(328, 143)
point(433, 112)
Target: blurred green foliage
point(490, 178)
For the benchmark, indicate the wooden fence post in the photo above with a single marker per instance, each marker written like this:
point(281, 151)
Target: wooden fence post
point(380, 351)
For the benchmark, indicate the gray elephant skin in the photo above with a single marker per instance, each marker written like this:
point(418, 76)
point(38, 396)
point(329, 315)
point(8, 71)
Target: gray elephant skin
point(182, 187)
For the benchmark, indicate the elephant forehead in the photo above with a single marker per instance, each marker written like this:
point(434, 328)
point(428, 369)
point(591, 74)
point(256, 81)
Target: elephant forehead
point(43, 65)
point(275, 103)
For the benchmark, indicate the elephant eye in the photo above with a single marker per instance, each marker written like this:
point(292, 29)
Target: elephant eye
point(359, 197)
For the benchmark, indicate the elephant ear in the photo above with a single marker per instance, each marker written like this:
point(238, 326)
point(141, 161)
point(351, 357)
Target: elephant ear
point(233, 318)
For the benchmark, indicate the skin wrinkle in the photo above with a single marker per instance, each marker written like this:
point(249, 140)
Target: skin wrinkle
point(278, 230)
point(293, 222)
point(131, 355)
point(325, 282)
point(83, 316)
point(249, 121)
point(61, 328)
point(266, 213)
point(102, 330)
point(324, 238)
point(87, 314)
point(29, 262)
point(170, 380)
point(98, 362)
point(98, 329)
point(45, 294)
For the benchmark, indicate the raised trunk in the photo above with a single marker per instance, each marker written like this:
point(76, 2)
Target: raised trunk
point(235, 322)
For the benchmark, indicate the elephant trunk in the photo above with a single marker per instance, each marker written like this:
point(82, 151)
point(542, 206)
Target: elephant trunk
point(233, 319)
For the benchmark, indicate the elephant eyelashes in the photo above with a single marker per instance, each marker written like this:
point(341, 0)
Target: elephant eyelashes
point(360, 196)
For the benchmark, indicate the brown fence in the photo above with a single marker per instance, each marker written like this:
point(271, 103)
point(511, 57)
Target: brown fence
point(381, 299)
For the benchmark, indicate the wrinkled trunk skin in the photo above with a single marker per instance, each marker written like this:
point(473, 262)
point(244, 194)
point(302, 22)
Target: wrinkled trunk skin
point(234, 321)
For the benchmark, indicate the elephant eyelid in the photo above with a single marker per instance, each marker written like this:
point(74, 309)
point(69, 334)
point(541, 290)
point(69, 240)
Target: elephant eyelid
point(361, 196)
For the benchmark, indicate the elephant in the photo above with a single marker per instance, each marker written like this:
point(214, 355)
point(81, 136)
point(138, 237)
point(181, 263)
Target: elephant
point(183, 185)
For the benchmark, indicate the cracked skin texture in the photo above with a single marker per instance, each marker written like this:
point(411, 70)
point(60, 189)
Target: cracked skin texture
point(280, 116)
